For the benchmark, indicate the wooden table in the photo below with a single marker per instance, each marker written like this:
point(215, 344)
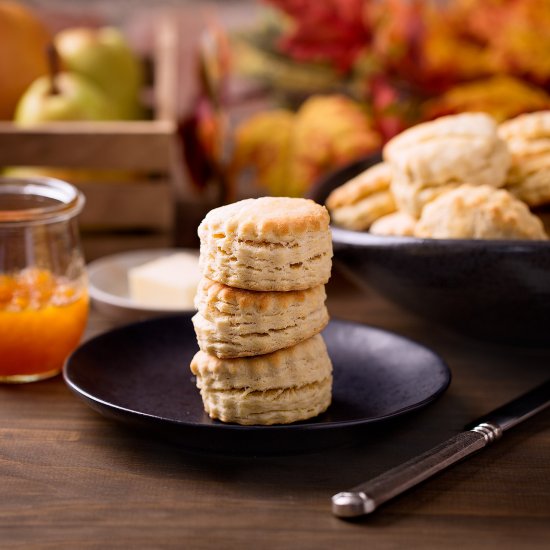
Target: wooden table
point(70, 478)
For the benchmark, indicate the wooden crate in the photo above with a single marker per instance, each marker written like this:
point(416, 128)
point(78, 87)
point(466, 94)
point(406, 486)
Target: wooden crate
point(144, 157)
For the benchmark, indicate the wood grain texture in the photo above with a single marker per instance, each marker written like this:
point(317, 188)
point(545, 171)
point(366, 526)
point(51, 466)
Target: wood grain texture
point(70, 478)
point(135, 145)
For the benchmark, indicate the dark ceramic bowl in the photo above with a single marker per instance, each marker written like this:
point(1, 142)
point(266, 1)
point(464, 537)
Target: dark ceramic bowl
point(492, 290)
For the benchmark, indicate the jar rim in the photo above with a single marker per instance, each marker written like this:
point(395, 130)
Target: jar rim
point(69, 201)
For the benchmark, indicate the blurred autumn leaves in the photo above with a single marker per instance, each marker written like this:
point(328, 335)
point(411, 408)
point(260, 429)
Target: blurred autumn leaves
point(346, 75)
point(292, 150)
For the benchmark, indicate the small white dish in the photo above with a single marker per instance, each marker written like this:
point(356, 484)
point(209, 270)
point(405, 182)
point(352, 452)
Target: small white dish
point(108, 285)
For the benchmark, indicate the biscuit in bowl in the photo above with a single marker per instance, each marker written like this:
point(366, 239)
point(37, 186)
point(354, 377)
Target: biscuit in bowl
point(411, 198)
point(397, 224)
point(286, 386)
point(233, 322)
point(528, 139)
point(363, 199)
point(267, 244)
point(479, 212)
point(430, 158)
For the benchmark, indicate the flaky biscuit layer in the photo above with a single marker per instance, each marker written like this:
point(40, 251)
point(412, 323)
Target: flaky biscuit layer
point(214, 299)
point(240, 323)
point(302, 364)
point(268, 407)
point(294, 265)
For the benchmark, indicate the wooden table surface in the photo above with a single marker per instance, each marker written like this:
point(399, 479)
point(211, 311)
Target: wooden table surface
point(70, 478)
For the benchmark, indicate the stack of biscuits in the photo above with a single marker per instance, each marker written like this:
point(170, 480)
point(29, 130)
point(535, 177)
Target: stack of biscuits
point(459, 176)
point(261, 307)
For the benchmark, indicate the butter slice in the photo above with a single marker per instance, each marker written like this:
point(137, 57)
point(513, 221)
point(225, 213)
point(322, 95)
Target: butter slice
point(170, 282)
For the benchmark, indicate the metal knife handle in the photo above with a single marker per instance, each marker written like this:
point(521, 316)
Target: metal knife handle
point(366, 497)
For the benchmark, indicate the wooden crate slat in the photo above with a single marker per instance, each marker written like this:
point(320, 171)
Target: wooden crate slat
point(136, 205)
point(135, 145)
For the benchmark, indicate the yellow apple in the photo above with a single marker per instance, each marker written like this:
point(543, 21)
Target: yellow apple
point(103, 56)
point(73, 98)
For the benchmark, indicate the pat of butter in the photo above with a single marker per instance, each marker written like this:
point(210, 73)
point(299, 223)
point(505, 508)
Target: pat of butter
point(170, 282)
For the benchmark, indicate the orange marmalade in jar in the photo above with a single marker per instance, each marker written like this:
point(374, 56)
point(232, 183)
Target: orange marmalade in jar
point(43, 294)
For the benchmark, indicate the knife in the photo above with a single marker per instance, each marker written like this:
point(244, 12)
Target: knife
point(365, 498)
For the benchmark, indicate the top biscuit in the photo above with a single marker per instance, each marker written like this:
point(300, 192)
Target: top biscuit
point(453, 149)
point(270, 243)
point(272, 219)
point(465, 125)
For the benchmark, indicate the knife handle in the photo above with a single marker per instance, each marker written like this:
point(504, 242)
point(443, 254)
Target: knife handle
point(365, 498)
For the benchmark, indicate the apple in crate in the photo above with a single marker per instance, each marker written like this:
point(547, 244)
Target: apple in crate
point(67, 97)
point(103, 56)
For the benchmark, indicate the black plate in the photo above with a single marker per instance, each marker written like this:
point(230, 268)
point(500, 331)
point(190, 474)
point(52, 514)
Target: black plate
point(140, 374)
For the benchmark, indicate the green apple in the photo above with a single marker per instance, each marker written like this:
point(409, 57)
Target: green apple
point(103, 56)
point(67, 97)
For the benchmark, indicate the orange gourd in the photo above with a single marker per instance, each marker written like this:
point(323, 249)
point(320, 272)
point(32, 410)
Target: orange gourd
point(23, 42)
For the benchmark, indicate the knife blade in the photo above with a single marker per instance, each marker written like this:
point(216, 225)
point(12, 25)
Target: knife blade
point(366, 497)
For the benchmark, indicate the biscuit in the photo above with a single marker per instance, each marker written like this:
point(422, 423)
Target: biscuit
point(529, 126)
point(461, 148)
point(524, 166)
point(267, 244)
point(373, 179)
point(454, 160)
point(397, 224)
point(363, 199)
point(411, 198)
point(478, 212)
point(528, 139)
point(534, 188)
point(521, 147)
point(238, 323)
point(362, 214)
point(278, 388)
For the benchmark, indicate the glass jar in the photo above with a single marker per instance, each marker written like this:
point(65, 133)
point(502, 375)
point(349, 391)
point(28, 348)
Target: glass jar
point(43, 286)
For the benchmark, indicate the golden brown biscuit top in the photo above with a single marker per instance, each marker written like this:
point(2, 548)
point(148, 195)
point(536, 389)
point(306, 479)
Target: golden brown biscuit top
point(373, 179)
point(465, 125)
point(266, 218)
point(212, 293)
point(527, 126)
point(481, 211)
